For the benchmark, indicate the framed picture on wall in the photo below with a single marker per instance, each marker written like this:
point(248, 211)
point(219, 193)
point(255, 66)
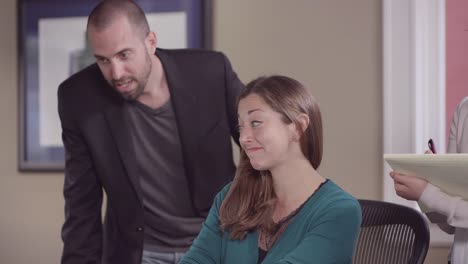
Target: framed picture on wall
point(53, 46)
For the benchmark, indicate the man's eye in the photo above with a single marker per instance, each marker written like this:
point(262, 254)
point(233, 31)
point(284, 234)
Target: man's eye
point(124, 55)
point(102, 60)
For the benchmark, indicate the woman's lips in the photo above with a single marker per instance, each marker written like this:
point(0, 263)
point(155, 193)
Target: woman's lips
point(253, 149)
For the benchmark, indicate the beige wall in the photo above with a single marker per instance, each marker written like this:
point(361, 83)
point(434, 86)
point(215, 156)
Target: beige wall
point(31, 205)
point(333, 46)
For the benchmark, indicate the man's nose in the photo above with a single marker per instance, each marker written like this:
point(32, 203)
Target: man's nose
point(116, 70)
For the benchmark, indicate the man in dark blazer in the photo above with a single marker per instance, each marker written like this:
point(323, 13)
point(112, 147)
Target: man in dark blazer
point(150, 127)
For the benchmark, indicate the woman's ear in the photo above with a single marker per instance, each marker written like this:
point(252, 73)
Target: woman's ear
point(303, 124)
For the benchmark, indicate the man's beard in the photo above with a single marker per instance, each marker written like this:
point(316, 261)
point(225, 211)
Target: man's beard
point(140, 81)
point(132, 95)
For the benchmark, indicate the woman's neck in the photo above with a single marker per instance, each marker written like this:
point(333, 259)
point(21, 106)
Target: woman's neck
point(293, 182)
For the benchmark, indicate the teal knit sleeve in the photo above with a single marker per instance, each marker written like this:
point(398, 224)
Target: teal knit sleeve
point(206, 248)
point(331, 237)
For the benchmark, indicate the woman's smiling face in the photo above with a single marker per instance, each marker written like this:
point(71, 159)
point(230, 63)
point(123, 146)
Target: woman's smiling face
point(264, 136)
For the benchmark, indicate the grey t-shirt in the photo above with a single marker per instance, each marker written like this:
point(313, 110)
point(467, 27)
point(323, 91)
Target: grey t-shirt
point(170, 220)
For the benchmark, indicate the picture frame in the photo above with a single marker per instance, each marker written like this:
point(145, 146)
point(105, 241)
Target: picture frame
point(52, 46)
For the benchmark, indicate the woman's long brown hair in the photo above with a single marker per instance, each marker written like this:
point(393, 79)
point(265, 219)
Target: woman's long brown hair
point(250, 201)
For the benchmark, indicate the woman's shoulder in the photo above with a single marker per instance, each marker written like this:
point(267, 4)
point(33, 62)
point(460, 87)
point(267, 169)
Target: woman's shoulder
point(333, 192)
point(334, 206)
point(332, 197)
point(464, 102)
point(222, 193)
point(462, 108)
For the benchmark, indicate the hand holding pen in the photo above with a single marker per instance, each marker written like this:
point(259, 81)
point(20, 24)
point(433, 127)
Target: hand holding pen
point(411, 187)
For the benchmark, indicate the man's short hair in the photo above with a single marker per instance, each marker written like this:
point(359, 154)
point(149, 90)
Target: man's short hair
point(107, 11)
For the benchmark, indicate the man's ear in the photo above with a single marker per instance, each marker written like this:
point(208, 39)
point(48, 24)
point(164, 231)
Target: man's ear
point(151, 42)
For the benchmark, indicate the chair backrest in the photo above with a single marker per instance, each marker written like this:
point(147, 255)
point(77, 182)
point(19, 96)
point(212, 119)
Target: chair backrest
point(391, 234)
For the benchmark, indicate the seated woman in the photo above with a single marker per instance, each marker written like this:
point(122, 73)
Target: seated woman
point(279, 209)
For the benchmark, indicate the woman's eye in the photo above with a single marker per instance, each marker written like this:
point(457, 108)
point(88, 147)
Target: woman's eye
point(255, 123)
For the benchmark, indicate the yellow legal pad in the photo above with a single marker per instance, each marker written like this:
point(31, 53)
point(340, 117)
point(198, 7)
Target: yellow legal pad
point(449, 172)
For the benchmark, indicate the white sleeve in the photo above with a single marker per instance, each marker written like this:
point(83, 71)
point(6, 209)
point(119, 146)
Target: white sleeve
point(454, 208)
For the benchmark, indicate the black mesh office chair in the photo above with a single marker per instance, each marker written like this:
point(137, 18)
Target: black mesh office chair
point(391, 234)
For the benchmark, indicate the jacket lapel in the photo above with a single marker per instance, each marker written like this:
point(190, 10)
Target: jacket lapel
point(118, 120)
point(186, 110)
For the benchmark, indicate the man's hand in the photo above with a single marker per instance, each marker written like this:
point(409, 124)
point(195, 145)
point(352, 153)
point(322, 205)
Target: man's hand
point(408, 187)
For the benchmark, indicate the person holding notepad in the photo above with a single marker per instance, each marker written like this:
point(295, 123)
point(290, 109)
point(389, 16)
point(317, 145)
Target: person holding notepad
point(454, 210)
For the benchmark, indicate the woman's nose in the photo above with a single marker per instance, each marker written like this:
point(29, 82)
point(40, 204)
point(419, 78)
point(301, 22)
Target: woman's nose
point(245, 135)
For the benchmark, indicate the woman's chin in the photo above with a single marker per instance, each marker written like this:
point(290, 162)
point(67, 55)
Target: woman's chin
point(258, 166)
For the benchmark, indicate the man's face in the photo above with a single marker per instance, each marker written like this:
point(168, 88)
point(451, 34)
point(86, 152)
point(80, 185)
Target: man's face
point(123, 55)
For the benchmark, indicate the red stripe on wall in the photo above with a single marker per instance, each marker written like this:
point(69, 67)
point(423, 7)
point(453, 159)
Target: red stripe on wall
point(456, 55)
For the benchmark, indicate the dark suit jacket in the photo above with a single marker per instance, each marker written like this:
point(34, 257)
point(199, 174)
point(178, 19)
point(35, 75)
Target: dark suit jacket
point(99, 153)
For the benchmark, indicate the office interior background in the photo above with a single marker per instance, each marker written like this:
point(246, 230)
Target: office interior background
point(335, 47)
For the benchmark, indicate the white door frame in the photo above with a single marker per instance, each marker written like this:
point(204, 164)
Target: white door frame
point(413, 84)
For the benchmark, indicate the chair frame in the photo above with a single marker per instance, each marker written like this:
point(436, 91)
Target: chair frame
point(392, 222)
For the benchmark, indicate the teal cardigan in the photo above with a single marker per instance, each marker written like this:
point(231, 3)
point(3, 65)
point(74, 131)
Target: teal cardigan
point(324, 231)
